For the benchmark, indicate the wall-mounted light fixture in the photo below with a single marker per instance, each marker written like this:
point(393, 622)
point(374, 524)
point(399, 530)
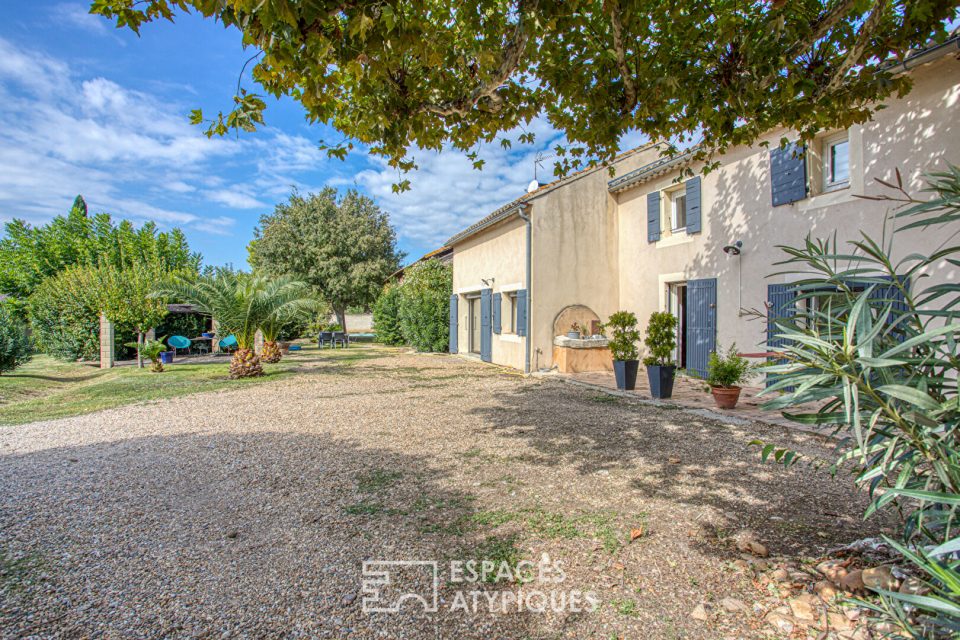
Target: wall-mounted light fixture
point(735, 248)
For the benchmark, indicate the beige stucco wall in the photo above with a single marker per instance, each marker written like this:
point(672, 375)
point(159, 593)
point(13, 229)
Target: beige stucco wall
point(574, 260)
point(590, 246)
point(498, 256)
point(575, 239)
point(917, 134)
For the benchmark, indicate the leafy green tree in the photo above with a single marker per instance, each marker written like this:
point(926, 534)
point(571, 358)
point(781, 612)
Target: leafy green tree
point(424, 307)
point(345, 248)
point(29, 255)
point(876, 350)
point(64, 316)
point(124, 297)
point(403, 74)
point(386, 316)
point(241, 304)
point(14, 343)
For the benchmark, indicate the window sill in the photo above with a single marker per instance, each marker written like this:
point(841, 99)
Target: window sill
point(839, 186)
point(827, 199)
point(510, 337)
point(674, 239)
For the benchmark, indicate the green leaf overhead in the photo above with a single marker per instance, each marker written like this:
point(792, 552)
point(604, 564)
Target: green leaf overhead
point(397, 74)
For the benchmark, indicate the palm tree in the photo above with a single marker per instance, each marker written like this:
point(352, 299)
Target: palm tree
point(296, 301)
point(241, 304)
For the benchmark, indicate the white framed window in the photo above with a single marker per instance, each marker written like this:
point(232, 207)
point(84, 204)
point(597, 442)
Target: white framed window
point(511, 299)
point(835, 154)
point(678, 210)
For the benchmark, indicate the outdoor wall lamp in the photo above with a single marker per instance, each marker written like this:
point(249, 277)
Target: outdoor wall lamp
point(735, 249)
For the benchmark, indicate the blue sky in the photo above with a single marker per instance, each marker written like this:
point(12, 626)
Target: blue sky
point(86, 108)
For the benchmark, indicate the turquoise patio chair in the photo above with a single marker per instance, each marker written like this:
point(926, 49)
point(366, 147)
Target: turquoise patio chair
point(229, 343)
point(179, 342)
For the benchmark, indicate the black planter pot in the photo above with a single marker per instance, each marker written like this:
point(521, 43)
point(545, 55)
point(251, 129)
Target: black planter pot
point(661, 380)
point(626, 373)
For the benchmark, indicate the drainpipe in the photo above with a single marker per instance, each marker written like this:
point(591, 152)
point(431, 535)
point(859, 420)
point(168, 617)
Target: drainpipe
point(524, 212)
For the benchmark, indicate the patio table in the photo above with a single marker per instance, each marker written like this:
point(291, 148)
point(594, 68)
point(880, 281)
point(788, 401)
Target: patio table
point(206, 348)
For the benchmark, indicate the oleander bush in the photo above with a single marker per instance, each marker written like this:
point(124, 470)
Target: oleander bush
point(876, 348)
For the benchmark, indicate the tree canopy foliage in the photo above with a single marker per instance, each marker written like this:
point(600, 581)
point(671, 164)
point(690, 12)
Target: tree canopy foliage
point(344, 247)
point(14, 341)
point(29, 255)
point(424, 305)
point(397, 74)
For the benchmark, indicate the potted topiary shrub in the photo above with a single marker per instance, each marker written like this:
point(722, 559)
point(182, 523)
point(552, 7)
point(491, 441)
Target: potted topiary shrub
point(623, 348)
point(661, 340)
point(575, 331)
point(724, 375)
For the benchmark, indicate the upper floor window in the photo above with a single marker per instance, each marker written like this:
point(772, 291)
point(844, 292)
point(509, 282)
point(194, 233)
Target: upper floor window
point(835, 154)
point(678, 210)
point(511, 297)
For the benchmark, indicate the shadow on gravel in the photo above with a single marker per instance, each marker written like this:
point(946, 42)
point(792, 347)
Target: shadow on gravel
point(250, 534)
point(680, 463)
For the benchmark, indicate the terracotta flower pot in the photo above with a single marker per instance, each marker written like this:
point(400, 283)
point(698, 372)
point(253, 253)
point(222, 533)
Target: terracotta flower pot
point(726, 397)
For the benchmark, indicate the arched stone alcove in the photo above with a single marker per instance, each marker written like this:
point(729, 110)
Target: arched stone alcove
point(579, 313)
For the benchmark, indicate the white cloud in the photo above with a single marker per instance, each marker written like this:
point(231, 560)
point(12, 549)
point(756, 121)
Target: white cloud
point(447, 194)
point(79, 16)
point(236, 198)
point(124, 150)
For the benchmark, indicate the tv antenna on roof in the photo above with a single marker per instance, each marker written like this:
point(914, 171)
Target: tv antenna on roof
point(537, 163)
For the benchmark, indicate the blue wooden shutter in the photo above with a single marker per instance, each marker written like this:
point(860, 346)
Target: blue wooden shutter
point(497, 300)
point(782, 301)
point(783, 306)
point(701, 323)
point(693, 205)
point(788, 174)
point(453, 322)
point(521, 312)
point(891, 294)
point(653, 216)
point(486, 336)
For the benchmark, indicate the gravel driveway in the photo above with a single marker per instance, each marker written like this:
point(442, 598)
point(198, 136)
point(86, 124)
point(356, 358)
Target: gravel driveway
point(249, 513)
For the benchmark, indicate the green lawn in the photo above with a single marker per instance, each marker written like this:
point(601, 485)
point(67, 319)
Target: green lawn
point(46, 388)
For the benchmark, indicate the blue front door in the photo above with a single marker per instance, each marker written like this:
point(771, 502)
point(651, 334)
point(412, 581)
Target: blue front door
point(701, 323)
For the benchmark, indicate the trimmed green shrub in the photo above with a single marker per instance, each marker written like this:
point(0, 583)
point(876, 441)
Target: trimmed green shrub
point(727, 370)
point(14, 342)
point(424, 309)
point(624, 336)
point(386, 316)
point(661, 339)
